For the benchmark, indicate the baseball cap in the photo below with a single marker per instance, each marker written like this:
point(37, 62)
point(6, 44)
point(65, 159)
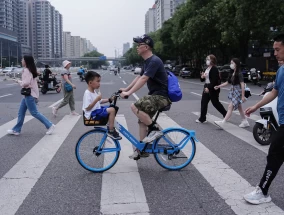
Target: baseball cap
point(144, 39)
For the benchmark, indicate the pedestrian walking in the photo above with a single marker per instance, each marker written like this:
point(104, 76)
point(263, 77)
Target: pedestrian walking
point(212, 78)
point(236, 94)
point(30, 94)
point(275, 155)
point(68, 87)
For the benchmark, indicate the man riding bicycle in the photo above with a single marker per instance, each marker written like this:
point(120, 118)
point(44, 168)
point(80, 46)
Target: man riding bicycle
point(153, 73)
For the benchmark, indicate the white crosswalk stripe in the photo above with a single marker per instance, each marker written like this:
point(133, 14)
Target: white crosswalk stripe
point(227, 183)
point(18, 182)
point(240, 133)
point(122, 190)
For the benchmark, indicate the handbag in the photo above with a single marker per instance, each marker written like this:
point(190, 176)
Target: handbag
point(26, 91)
point(68, 87)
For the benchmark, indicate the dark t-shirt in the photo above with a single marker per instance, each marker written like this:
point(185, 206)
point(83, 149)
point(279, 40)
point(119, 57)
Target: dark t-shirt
point(46, 74)
point(235, 80)
point(158, 78)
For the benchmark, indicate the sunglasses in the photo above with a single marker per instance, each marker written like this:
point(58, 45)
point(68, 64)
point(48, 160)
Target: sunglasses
point(141, 44)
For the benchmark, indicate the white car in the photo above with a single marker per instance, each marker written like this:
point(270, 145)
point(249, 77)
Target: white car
point(137, 70)
point(8, 70)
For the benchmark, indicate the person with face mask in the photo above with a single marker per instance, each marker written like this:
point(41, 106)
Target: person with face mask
point(236, 94)
point(212, 78)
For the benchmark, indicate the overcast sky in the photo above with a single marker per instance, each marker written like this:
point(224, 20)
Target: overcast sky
point(106, 23)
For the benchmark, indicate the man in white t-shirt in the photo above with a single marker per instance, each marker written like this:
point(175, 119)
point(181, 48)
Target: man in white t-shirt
point(92, 104)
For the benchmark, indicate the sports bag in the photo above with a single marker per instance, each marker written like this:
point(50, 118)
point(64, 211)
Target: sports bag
point(174, 91)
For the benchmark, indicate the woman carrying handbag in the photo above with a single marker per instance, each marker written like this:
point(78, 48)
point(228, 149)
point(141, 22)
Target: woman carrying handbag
point(30, 94)
point(212, 78)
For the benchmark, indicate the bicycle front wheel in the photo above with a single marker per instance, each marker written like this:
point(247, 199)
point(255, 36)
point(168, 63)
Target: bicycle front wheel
point(172, 150)
point(97, 152)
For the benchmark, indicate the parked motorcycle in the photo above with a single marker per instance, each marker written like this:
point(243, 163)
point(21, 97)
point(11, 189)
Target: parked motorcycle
point(264, 128)
point(50, 87)
point(254, 76)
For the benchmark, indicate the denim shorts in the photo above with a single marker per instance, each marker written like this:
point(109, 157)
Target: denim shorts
point(99, 113)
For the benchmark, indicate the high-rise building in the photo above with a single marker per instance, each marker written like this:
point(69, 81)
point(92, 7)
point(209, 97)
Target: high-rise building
point(165, 9)
point(67, 43)
point(76, 44)
point(150, 20)
point(126, 47)
point(25, 37)
point(41, 27)
point(57, 29)
point(83, 47)
point(10, 48)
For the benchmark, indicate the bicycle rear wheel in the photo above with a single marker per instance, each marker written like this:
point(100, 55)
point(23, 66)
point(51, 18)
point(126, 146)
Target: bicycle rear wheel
point(97, 152)
point(172, 150)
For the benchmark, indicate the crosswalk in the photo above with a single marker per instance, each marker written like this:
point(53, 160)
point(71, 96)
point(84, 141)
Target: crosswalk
point(125, 189)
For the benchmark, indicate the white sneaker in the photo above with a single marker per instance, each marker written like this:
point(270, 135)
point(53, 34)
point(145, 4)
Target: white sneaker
point(244, 124)
point(135, 155)
point(54, 111)
point(50, 130)
point(73, 113)
point(197, 121)
point(152, 136)
point(256, 197)
point(220, 124)
point(13, 132)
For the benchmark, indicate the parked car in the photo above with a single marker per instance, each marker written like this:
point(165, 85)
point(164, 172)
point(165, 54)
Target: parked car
point(224, 72)
point(8, 70)
point(137, 70)
point(188, 72)
point(15, 73)
point(176, 70)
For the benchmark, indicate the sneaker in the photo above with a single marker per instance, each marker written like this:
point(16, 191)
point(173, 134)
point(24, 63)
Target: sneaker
point(144, 154)
point(73, 113)
point(50, 130)
point(244, 124)
point(152, 136)
point(256, 197)
point(220, 123)
point(13, 132)
point(135, 155)
point(114, 135)
point(54, 111)
point(197, 121)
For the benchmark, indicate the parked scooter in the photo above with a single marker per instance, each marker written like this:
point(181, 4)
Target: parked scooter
point(265, 127)
point(254, 76)
point(50, 87)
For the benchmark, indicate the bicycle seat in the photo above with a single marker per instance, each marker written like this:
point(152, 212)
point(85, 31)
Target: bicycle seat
point(165, 108)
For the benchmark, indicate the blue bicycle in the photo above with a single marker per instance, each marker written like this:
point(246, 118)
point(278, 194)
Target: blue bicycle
point(97, 152)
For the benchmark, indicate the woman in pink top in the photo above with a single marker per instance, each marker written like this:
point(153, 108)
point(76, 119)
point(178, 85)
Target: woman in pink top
point(29, 102)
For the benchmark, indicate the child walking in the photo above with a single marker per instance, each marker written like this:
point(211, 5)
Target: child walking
point(236, 94)
point(92, 104)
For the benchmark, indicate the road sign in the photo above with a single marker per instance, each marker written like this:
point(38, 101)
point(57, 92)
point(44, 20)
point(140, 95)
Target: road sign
point(103, 58)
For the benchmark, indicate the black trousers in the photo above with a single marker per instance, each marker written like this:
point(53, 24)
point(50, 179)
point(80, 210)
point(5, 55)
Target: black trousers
point(275, 159)
point(213, 95)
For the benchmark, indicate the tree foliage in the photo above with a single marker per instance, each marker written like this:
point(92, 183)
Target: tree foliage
point(95, 64)
point(225, 28)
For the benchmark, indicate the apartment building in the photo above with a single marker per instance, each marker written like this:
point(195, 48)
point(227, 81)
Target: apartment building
point(150, 20)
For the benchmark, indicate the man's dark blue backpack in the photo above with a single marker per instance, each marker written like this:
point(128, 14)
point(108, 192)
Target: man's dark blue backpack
point(174, 91)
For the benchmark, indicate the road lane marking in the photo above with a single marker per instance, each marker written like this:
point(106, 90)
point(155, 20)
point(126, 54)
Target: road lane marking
point(12, 84)
point(5, 95)
point(252, 116)
point(201, 95)
point(18, 182)
point(56, 103)
point(225, 181)
point(11, 124)
point(135, 96)
point(124, 82)
point(122, 189)
point(238, 132)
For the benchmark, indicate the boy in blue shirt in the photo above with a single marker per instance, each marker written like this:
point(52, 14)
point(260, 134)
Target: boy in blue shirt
point(275, 155)
point(92, 104)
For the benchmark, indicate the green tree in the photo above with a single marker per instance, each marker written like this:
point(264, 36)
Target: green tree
point(95, 64)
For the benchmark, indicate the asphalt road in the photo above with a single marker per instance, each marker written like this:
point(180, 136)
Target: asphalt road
point(40, 174)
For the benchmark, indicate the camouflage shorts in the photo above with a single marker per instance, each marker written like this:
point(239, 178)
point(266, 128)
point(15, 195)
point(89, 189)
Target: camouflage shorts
point(150, 104)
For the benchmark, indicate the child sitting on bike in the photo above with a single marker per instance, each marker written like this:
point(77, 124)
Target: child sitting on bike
point(92, 104)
